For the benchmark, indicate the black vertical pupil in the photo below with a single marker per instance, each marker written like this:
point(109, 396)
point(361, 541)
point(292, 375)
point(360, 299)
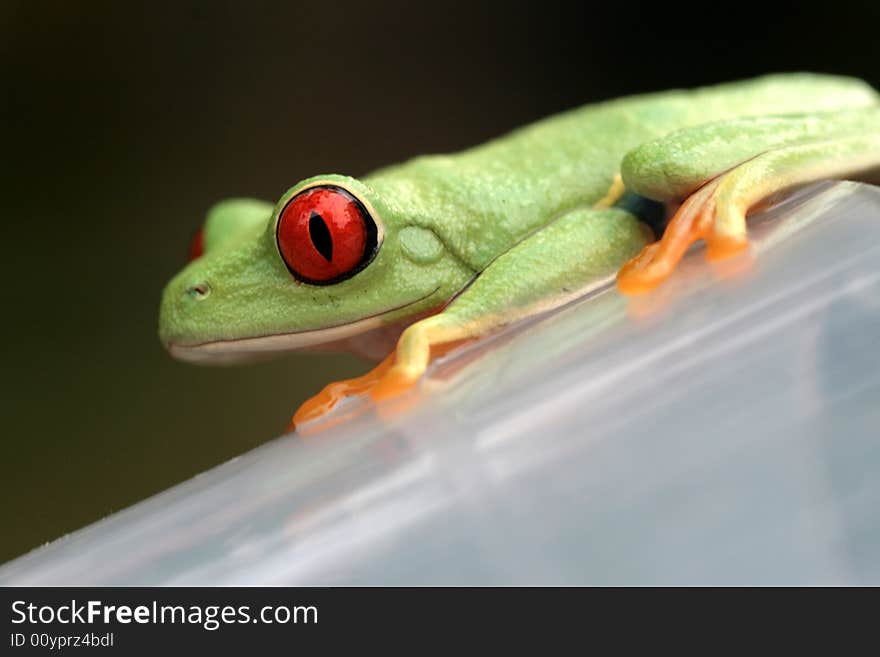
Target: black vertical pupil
point(320, 236)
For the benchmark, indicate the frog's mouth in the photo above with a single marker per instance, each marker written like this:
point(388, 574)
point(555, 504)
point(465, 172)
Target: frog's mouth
point(238, 350)
point(247, 349)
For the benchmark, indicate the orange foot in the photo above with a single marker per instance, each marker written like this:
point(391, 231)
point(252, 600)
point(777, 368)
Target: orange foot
point(383, 382)
point(694, 220)
point(333, 393)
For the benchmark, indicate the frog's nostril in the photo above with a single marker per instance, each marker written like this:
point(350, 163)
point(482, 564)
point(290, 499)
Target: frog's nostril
point(198, 291)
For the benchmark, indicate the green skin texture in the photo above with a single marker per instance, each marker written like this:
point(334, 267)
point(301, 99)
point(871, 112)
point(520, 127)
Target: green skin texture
point(511, 222)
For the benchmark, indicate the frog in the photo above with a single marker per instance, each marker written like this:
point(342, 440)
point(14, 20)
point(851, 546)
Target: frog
point(418, 258)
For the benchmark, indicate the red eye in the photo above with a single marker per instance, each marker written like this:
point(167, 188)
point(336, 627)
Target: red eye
point(197, 246)
point(324, 234)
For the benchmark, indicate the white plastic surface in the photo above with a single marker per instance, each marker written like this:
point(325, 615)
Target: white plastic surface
point(722, 430)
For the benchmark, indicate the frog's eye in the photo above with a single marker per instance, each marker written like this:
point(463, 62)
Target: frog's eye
point(325, 235)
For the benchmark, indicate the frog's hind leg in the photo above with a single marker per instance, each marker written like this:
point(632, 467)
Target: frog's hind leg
point(716, 212)
point(656, 262)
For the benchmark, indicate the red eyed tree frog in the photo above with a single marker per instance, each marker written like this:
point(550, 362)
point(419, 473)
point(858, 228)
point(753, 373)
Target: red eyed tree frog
point(446, 248)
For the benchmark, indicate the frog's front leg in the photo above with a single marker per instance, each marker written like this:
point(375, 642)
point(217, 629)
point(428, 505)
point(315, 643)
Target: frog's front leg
point(561, 262)
point(580, 250)
point(799, 150)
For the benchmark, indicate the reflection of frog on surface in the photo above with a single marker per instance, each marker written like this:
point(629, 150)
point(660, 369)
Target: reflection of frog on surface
point(843, 371)
point(508, 229)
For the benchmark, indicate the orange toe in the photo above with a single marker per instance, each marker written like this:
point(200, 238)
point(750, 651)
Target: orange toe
point(313, 408)
point(393, 384)
point(723, 247)
point(332, 394)
point(639, 275)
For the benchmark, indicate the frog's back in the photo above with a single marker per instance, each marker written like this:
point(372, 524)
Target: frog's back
point(484, 200)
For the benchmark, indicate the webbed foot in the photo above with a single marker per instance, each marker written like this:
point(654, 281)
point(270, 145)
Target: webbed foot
point(394, 376)
point(335, 392)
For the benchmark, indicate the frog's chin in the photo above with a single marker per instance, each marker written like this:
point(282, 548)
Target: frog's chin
point(239, 350)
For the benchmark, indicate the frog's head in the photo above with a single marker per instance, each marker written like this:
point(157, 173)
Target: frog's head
point(329, 261)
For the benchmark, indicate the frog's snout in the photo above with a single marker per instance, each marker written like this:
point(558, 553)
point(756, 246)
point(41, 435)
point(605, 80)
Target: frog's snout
point(181, 313)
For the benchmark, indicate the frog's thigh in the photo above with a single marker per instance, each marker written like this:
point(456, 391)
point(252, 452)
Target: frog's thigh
point(581, 249)
point(716, 212)
point(676, 165)
point(780, 169)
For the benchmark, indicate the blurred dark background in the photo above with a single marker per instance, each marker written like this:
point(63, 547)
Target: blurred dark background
point(121, 125)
